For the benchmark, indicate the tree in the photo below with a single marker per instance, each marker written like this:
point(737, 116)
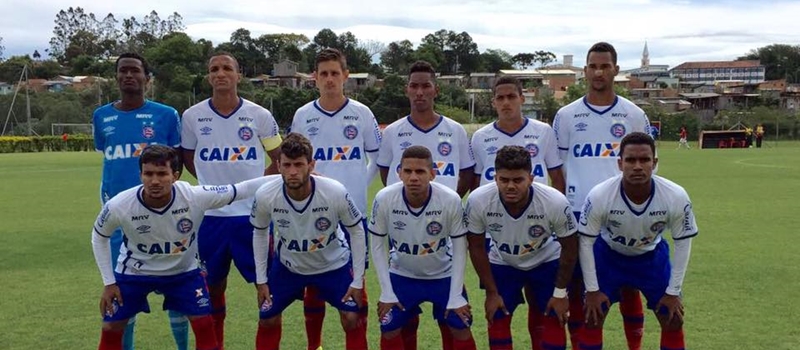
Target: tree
point(493, 60)
point(2, 48)
point(576, 91)
point(372, 48)
point(67, 24)
point(397, 56)
point(780, 61)
point(11, 69)
point(523, 60)
point(46, 69)
point(543, 57)
point(450, 52)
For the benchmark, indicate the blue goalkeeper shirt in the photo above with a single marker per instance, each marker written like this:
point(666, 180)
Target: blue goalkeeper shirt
point(122, 135)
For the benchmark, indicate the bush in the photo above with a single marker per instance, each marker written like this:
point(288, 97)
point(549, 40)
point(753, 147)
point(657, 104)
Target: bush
point(21, 144)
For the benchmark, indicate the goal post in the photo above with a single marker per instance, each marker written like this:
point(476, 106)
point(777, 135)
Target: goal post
point(72, 128)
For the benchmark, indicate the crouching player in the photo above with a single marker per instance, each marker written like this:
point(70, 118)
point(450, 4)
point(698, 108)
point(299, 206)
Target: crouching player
point(519, 216)
point(630, 212)
point(307, 213)
point(423, 223)
point(159, 220)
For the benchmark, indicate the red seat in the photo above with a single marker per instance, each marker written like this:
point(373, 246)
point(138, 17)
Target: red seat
point(722, 144)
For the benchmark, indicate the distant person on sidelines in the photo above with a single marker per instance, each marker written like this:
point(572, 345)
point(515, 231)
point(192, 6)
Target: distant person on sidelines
point(121, 131)
point(759, 135)
point(159, 220)
point(682, 142)
point(629, 213)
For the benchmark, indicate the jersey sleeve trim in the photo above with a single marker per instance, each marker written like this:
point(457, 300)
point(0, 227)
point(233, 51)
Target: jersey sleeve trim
point(563, 149)
point(358, 222)
point(467, 168)
point(372, 150)
point(234, 195)
point(588, 235)
point(381, 166)
point(188, 149)
point(258, 228)
point(476, 233)
point(556, 167)
point(462, 234)
point(685, 237)
point(377, 234)
point(98, 232)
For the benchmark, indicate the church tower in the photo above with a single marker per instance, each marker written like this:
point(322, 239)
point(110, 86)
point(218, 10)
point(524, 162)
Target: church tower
point(645, 56)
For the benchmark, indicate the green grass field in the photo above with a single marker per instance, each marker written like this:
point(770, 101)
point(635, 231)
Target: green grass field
point(742, 288)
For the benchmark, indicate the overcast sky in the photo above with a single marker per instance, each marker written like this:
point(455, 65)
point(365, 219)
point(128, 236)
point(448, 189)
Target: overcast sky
point(676, 31)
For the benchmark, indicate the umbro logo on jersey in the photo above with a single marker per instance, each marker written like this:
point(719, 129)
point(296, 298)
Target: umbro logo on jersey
point(581, 126)
point(405, 145)
point(495, 227)
point(283, 223)
point(109, 130)
point(491, 150)
point(205, 131)
point(399, 225)
point(143, 229)
point(313, 131)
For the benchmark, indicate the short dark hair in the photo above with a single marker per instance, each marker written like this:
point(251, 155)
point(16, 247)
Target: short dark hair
point(135, 56)
point(296, 145)
point(331, 54)
point(603, 47)
point(417, 152)
point(507, 80)
point(424, 67)
point(637, 138)
point(513, 158)
point(224, 53)
point(160, 155)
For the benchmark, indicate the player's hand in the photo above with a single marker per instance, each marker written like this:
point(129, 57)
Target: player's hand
point(264, 298)
point(559, 306)
point(356, 295)
point(594, 307)
point(674, 306)
point(111, 294)
point(464, 313)
point(384, 308)
point(493, 303)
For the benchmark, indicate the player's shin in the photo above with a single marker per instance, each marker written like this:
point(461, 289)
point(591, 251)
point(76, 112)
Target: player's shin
point(203, 328)
point(218, 313)
point(554, 336)
point(314, 311)
point(535, 327)
point(268, 336)
point(392, 343)
point(447, 336)
point(630, 306)
point(576, 320)
point(463, 340)
point(180, 329)
point(356, 337)
point(409, 333)
point(672, 339)
point(500, 334)
point(591, 338)
point(111, 340)
point(128, 335)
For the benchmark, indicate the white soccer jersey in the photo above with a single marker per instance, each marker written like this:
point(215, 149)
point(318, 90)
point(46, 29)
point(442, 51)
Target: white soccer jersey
point(447, 141)
point(160, 242)
point(537, 137)
point(419, 241)
point(636, 229)
point(589, 142)
point(309, 239)
point(227, 149)
point(341, 140)
point(523, 242)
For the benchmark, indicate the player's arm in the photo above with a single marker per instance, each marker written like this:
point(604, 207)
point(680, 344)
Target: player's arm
point(188, 161)
point(260, 218)
point(103, 228)
point(274, 153)
point(553, 161)
point(466, 180)
point(476, 239)
point(589, 230)
point(99, 139)
point(557, 179)
point(562, 136)
point(372, 145)
point(458, 232)
point(350, 218)
point(683, 228)
point(565, 229)
point(379, 251)
point(384, 174)
point(214, 197)
point(372, 166)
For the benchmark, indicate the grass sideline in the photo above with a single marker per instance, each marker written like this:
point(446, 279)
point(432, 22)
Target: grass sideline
point(741, 289)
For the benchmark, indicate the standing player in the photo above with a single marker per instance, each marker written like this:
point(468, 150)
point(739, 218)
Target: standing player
point(683, 135)
point(511, 128)
point(159, 220)
point(424, 224)
point(306, 213)
point(519, 216)
point(589, 131)
point(344, 134)
point(121, 130)
point(226, 139)
point(445, 137)
point(630, 212)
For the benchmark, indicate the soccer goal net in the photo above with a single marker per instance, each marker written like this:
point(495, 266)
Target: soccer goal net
point(71, 128)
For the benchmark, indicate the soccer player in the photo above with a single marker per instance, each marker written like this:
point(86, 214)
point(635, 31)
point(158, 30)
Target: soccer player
point(445, 137)
point(629, 213)
point(511, 128)
point(519, 215)
point(121, 130)
point(308, 215)
point(423, 223)
point(159, 220)
point(589, 131)
point(344, 134)
point(226, 139)
point(682, 142)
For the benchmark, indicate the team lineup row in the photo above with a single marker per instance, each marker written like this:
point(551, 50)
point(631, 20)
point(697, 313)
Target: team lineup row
point(595, 156)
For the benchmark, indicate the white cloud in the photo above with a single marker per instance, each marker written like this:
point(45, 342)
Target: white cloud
point(676, 31)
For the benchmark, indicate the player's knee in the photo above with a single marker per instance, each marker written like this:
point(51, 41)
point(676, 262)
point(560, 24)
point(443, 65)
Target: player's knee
point(391, 334)
point(461, 334)
point(667, 325)
point(269, 322)
point(116, 326)
point(349, 320)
